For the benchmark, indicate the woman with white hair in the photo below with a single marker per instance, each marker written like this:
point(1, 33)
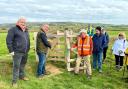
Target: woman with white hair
point(119, 47)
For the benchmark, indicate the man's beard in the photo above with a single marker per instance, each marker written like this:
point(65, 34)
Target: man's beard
point(98, 34)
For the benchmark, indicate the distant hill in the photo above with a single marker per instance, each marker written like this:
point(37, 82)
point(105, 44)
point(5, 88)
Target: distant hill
point(63, 25)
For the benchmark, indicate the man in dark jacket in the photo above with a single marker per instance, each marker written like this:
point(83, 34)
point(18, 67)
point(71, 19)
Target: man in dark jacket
point(42, 49)
point(106, 45)
point(99, 42)
point(18, 44)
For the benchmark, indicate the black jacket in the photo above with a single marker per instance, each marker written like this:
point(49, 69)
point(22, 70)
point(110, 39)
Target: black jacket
point(17, 40)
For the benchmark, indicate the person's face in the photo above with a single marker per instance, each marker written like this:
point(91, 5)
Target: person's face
point(103, 32)
point(97, 32)
point(83, 35)
point(45, 28)
point(22, 23)
point(121, 37)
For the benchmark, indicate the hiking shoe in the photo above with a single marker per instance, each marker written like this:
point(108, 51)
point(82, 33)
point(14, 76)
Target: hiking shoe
point(14, 85)
point(94, 69)
point(103, 62)
point(24, 78)
point(47, 73)
point(76, 73)
point(89, 77)
point(40, 77)
point(100, 71)
point(121, 68)
point(117, 67)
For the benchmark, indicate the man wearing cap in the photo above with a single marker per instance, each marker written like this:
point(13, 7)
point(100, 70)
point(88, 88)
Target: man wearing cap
point(18, 44)
point(84, 47)
point(99, 42)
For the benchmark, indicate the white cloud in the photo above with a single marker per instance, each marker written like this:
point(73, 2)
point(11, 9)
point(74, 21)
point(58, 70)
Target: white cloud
point(106, 11)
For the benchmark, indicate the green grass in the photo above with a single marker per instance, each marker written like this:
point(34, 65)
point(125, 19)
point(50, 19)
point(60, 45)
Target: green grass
point(109, 79)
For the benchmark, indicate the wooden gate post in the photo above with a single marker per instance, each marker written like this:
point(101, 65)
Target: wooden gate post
point(67, 50)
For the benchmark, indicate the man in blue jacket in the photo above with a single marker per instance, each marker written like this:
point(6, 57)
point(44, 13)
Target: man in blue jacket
point(18, 44)
point(99, 42)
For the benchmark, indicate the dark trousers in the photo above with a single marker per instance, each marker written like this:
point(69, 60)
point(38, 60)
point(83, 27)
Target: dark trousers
point(104, 53)
point(19, 62)
point(119, 60)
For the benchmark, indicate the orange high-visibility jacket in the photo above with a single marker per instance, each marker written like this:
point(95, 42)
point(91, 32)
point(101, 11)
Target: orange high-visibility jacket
point(84, 47)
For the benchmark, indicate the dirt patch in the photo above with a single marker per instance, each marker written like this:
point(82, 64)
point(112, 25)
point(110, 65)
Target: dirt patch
point(53, 69)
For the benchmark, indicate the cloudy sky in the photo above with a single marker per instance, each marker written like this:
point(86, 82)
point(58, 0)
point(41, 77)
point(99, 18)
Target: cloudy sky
point(92, 11)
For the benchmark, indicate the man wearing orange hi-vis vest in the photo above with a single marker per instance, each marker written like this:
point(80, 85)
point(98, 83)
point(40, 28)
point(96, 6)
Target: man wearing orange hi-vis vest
point(84, 48)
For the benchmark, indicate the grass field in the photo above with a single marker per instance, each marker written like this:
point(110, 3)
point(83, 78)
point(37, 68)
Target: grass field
point(109, 79)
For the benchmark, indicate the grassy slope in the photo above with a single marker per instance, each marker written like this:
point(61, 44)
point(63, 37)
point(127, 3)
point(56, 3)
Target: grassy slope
point(109, 79)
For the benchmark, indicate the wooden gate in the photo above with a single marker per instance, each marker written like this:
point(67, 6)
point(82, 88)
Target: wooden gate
point(61, 45)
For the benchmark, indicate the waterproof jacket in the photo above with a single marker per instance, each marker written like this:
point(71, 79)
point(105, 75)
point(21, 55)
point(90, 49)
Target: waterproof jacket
point(42, 42)
point(18, 40)
point(99, 43)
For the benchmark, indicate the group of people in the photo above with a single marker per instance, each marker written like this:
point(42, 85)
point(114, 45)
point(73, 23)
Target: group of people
point(18, 44)
point(97, 45)
point(87, 45)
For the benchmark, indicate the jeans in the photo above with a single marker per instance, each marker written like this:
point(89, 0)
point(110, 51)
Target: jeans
point(19, 62)
point(41, 64)
point(97, 57)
